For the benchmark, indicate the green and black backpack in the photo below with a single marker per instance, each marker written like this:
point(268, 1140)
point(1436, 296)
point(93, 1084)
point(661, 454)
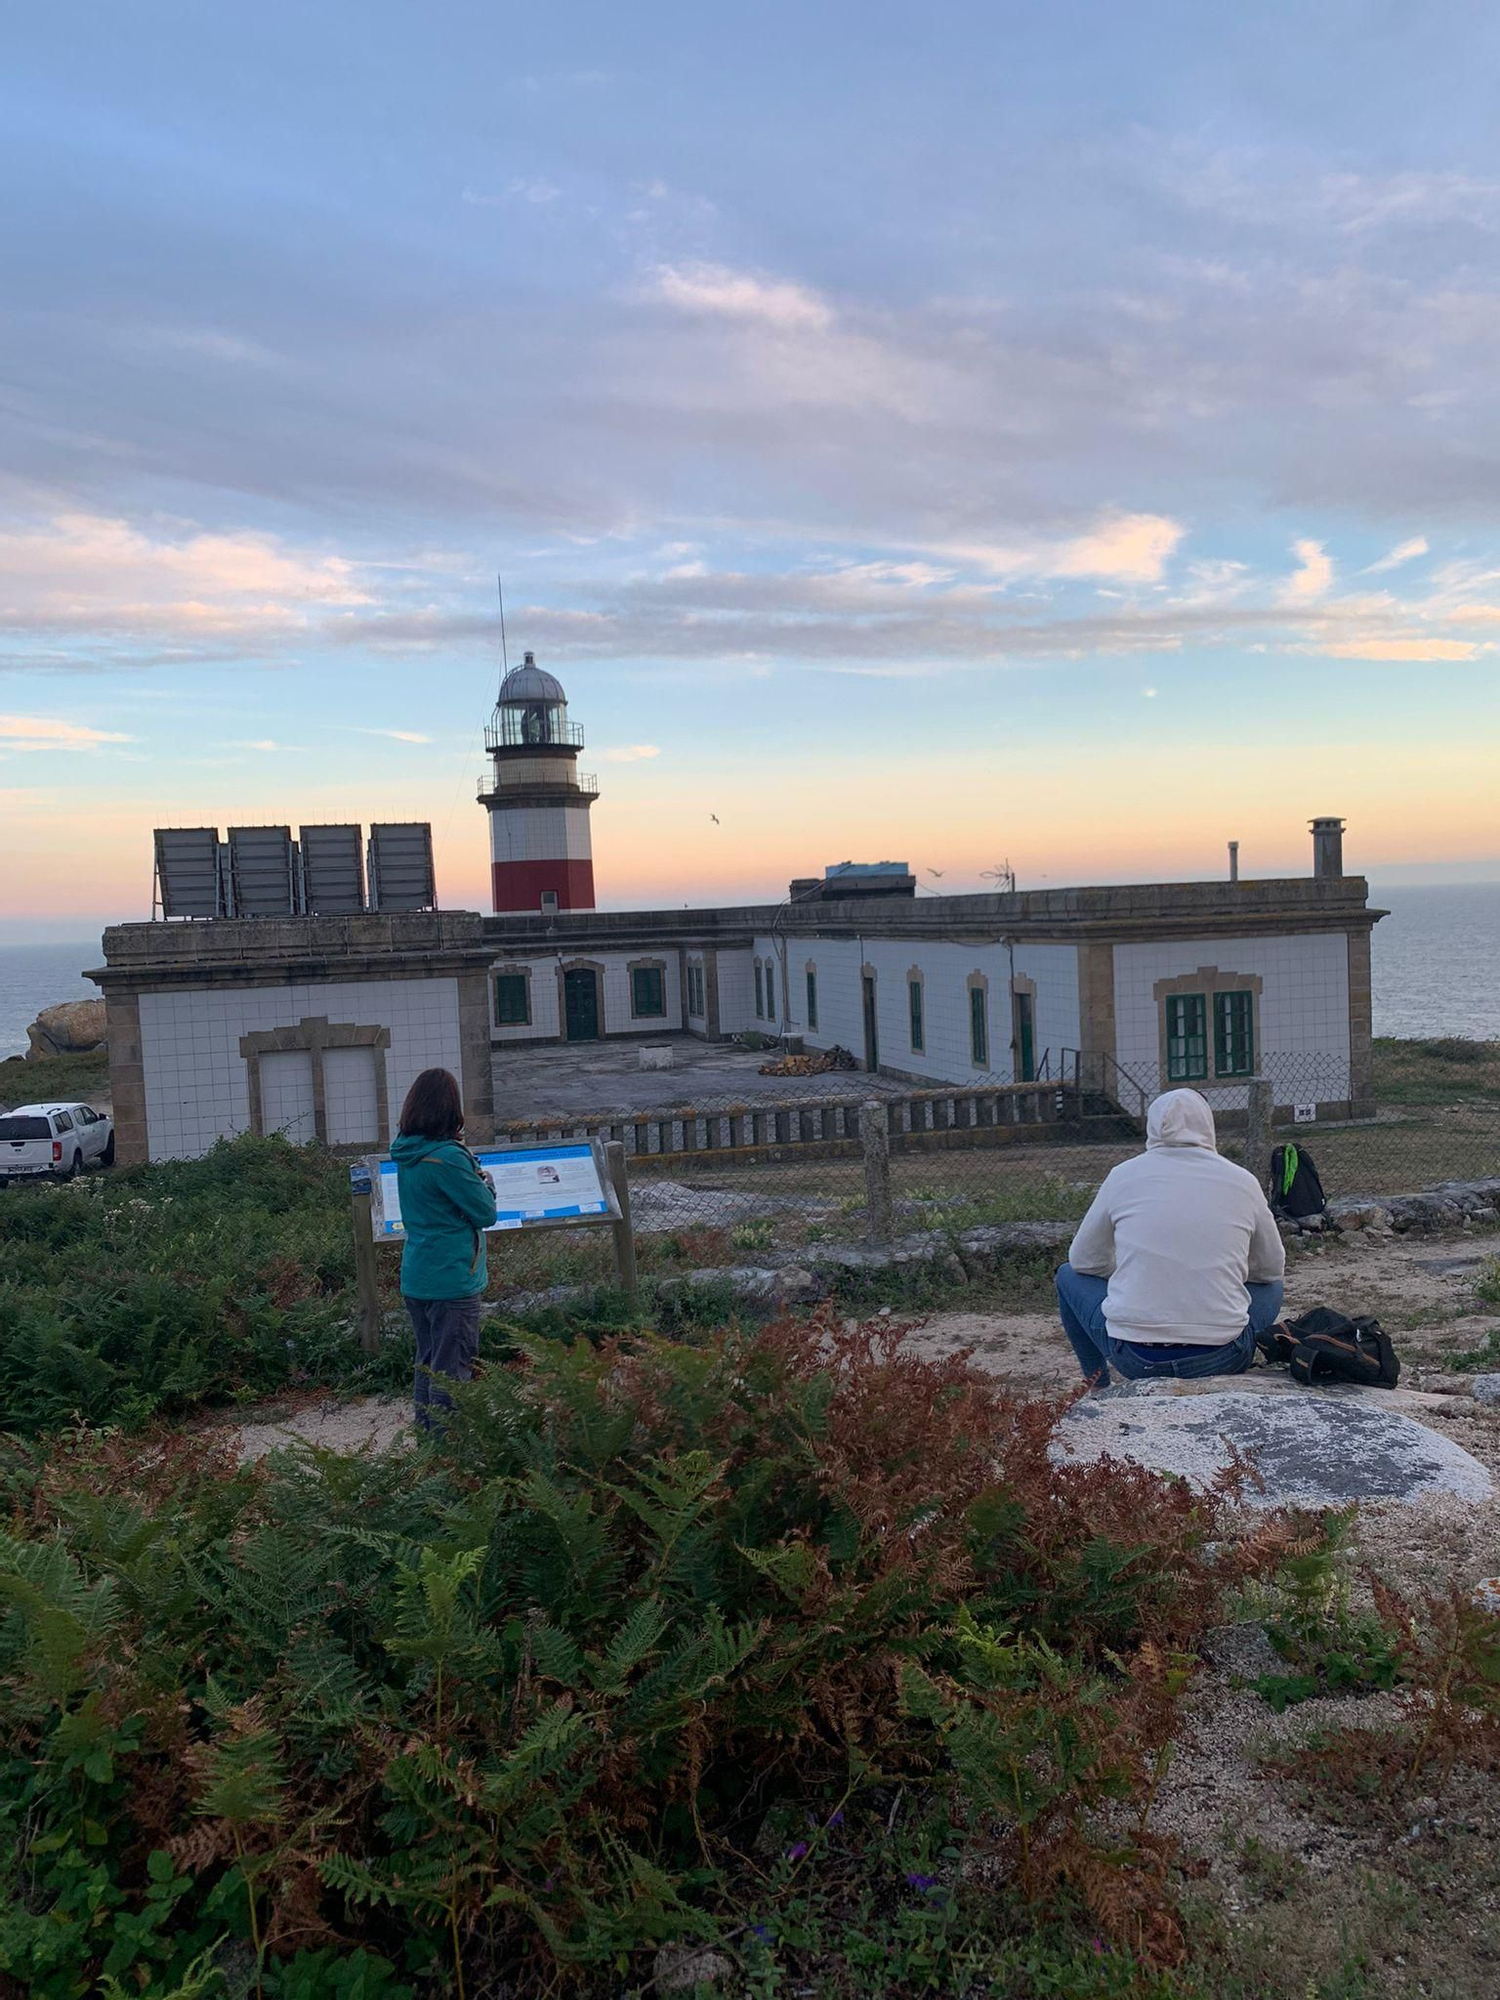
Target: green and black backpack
point(1295, 1190)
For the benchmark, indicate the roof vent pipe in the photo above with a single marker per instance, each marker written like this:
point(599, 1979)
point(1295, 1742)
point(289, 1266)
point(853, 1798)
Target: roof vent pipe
point(1328, 849)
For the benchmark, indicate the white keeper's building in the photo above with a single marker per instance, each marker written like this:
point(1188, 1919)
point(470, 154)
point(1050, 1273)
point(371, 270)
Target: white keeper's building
point(315, 1024)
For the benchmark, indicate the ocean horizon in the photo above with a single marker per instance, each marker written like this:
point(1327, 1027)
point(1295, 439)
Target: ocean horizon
point(1435, 964)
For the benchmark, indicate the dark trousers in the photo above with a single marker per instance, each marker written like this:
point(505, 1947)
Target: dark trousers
point(447, 1332)
point(1081, 1299)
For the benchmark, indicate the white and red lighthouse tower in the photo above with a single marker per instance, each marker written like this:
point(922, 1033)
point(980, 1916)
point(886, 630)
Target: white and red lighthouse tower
point(541, 854)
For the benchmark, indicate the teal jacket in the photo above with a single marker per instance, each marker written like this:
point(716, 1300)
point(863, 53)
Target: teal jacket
point(446, 1203)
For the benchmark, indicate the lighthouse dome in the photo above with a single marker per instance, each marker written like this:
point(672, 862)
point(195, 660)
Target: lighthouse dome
point(529, 682)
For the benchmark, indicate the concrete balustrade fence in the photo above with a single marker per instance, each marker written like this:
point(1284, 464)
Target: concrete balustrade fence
point(918, 1121)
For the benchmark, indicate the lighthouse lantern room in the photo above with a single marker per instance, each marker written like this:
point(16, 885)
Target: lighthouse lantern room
point(541, 855)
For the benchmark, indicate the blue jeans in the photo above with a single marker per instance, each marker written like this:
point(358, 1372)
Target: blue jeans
point(1080, 1299)
point(447, 1332)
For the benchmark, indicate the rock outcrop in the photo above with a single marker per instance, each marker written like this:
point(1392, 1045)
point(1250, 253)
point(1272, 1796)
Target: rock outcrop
point(72, 1028)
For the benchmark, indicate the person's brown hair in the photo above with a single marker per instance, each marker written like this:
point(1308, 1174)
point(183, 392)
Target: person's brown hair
point(434, 1108)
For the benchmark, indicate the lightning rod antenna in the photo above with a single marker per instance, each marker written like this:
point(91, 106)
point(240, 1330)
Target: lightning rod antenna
point(504, 650)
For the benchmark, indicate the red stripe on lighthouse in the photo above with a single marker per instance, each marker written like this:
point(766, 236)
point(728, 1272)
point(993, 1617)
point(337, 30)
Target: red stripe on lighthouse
point(520, 885)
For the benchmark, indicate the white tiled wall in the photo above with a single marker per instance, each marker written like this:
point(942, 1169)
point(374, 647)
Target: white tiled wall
point(945, 968)
point(350, 1102)
point(286, 1095)
point(735, 995)
point(197, 1085)
point(1304, 1008)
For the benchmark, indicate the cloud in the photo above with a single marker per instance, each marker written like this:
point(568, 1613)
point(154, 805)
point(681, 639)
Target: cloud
point(172, 583)
point(630, 753)
point(398, 735)
point(40, 732)
point(1313, 579)
point(1126, 548)
point(1404, 552)
point(716, 290)
point(534, 190)
point(1414, 649)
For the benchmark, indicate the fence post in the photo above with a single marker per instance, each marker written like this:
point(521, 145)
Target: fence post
point(875, 1141)
point(1258, 1128)
point(624, 1229)
point(366, 1282)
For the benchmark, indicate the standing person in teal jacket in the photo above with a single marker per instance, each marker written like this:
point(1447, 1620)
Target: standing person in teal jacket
point(446, 1205)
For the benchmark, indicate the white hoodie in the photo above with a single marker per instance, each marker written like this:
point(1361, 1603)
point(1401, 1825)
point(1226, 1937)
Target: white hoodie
point(1178, 1231)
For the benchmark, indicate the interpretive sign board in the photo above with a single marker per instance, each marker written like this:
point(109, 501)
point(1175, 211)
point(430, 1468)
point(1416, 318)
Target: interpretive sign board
point(580, 1185)
point(534, 1186)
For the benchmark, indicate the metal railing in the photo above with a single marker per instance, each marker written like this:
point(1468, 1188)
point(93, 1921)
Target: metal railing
point(586, 782)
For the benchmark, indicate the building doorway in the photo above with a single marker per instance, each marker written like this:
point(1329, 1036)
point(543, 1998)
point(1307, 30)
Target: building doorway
point(1023, 1035)
point(872, 1035)
point(581, 1004)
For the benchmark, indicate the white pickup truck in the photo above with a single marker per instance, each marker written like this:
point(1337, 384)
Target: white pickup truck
point(55, 1139)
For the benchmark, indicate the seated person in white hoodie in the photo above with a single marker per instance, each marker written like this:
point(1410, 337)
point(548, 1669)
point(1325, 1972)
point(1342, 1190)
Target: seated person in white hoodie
point(1178, 1265)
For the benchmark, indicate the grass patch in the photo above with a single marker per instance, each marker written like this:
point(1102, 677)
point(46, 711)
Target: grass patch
point(1449, 1070)
point(56, 1079)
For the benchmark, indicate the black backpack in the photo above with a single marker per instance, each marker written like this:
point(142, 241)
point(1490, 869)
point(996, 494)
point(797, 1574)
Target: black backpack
point(1324, 1345)
point(1295, 1190)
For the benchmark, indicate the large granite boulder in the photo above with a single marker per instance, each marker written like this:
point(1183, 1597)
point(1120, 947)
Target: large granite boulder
point(72, 1028)
point(1311, 1447)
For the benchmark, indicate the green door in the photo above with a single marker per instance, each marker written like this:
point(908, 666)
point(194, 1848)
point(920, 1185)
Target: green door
point(1025, 1009)
point(872, 1036)
point(581, 1005)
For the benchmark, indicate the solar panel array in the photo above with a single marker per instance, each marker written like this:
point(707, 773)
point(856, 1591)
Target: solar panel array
point(260, 871)
point(401, 875)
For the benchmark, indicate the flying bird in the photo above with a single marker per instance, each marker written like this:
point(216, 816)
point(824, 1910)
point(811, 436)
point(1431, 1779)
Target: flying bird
point(715, 818)
point(936, 871)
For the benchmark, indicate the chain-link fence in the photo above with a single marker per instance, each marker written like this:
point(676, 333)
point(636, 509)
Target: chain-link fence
point(844, 1157)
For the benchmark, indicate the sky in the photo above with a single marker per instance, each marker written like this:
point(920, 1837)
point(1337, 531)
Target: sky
point(961, 433)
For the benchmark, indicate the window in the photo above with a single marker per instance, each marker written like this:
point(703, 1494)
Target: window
point(979, 1027)
point(770, 990)
point(512, 1000)
point(648, 991)
point(760, 1002)
point(695, 990)
point(61, 1122)
point(812, 998)
point(1187, 1037)
point(914, 1000)
point(1234, 1034)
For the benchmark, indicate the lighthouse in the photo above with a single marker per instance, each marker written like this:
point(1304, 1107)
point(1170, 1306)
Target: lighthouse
point(541, 855)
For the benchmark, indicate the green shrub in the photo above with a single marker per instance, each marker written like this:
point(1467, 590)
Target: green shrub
point(558, 1688)
point(147, 1292)
point(1329, 1647)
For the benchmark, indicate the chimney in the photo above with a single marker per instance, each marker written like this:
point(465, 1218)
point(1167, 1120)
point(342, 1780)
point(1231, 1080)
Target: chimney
point(1234, 861)
point(1328, 849)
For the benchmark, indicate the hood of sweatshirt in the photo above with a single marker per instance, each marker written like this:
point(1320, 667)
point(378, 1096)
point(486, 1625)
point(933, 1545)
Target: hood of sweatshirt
point(1181, 1118)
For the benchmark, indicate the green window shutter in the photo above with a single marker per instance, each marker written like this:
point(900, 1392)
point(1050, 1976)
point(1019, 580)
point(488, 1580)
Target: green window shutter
point(979, 1028)
point(812, 999)
point(760, 1005)
point(1187, 1038)
point(647, 991)
point(512, 1000)
point(1234, 1034)
point(914, 997)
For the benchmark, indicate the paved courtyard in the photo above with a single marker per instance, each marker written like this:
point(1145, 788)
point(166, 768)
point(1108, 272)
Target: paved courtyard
point(607, 1077)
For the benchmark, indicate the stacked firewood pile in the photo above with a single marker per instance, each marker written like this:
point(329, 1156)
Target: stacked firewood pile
point(817, 1064)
